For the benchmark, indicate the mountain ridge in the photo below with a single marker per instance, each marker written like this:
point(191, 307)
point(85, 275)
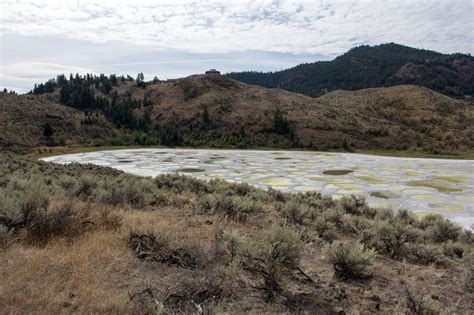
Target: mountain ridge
point(373, 66)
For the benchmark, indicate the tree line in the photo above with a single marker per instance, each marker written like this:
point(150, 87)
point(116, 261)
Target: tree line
point(378, 66)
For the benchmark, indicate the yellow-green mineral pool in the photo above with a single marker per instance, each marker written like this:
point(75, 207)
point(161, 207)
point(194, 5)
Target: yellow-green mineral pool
point(421, 185)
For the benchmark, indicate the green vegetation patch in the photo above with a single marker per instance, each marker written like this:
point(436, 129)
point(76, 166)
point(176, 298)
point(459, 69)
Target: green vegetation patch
point(337, 172)
point(190, 170)
point(432, 198)
point(441, 186)
point(297, 173)
point(277, 181)
point(385, 194)
point(330, 180)
point(452, 179)
point(351, 185)
point(282, 158)
point(447, 207)
point(465, 198)
point(307, 188)
point(412, 174)
point(372, 179)
point(417, 192)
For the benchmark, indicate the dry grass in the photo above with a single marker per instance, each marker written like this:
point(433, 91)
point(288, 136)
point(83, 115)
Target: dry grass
point(96, 270)
point(65, 278)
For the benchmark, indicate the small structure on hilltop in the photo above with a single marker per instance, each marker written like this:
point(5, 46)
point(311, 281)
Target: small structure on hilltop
point(213, 71)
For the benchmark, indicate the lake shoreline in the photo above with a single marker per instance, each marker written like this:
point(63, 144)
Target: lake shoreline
point(40, 152)
point(420, 184)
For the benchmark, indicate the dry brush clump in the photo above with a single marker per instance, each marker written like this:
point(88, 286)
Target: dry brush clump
point(350, 260)
point(274, 257)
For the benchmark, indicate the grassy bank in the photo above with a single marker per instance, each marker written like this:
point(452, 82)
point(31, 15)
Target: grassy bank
point(107, 242)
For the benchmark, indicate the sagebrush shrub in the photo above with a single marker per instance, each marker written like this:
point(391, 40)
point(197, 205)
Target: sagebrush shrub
point(423, 254)
point(390, 238)
point(294, 211)
point(235, 207)
point(453, 249)
point(85, 186)
point(276, 256)
point(326, 230)
point(355, 205)
point(350, 260)
point(417, 302)
point(443, 230)
point(62, 220)
point(229, 245)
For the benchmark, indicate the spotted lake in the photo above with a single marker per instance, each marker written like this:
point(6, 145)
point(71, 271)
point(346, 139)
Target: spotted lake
point(420, 185)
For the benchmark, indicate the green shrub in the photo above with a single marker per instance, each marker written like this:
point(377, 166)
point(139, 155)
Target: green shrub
point(17, 207)
point(294, 211)
point(181, 183)
point(429, 220)
point(237, 208)
point(443, 230)
point(423, 254)
point(406, 216)
point(326, 230)
point(277, 195)
point(334, 215)
point(390, 238)
point(417, 303)
point(205, 203)
point(276, 256)
point(356, 205)
point(350, 260)
point(110, 219)
point(384, 214)
point(62, 220)
point(85, 186)
point(466, 237)
point(453, 250)
point(127, 189)
point(230, 245)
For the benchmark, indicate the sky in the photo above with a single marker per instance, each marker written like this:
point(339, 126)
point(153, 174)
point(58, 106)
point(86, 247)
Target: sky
point(171, 39)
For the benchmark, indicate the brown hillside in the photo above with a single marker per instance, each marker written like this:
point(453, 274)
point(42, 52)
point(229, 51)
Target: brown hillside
point(22, 120)
point(399, 117)
point(396, 117)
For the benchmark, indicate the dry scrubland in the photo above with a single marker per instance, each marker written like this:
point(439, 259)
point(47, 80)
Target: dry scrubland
point(87, 239)
point(396, 118)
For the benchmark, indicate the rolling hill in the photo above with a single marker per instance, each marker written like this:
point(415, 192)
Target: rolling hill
point(377, 66)
point(23, 119)
point(217, 111)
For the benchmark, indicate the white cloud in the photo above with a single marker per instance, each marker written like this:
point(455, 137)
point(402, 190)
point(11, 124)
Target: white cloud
point(20, 75)
point(172, 38)
point(327, 27)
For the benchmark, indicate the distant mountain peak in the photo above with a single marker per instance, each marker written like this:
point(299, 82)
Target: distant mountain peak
point(374, 66)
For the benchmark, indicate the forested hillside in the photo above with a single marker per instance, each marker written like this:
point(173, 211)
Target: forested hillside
point(378, 66)
point(216, 111)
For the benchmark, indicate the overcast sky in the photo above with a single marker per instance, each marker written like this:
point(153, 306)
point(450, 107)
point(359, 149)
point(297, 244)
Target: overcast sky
point(170, 39)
